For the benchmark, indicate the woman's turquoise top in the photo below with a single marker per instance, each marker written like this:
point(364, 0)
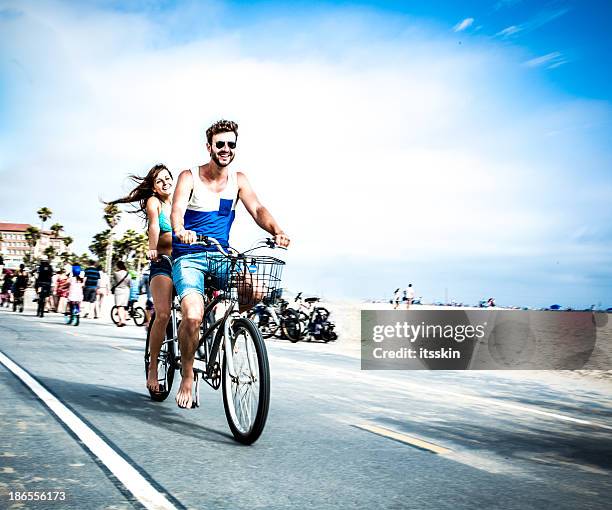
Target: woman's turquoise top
point(164, 222)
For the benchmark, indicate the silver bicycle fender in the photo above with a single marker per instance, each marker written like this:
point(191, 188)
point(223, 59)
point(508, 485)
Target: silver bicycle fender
point(229, 353)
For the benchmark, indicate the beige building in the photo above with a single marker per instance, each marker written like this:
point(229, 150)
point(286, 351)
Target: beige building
point(14, 245)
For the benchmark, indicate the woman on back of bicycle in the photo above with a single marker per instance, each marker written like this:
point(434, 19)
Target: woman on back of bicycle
point(153, 197)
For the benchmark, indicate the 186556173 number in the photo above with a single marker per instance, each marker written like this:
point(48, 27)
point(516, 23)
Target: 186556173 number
point(37, 495)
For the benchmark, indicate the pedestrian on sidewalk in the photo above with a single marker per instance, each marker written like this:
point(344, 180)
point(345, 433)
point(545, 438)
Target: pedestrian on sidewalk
point(121, 289)
point(92, 276)
point(75, 297)
point(409, 296)
point(62, 288)
point(101, 292)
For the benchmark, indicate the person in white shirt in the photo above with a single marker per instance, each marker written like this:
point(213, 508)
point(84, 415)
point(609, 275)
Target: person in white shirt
point(409, 295)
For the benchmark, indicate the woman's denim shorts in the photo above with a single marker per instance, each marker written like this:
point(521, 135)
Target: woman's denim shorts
point(160, 267)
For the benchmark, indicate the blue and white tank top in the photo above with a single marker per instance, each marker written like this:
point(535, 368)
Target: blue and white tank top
point(209, 213)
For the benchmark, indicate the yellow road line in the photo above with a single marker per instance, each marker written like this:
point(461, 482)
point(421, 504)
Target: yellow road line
point(403, 438)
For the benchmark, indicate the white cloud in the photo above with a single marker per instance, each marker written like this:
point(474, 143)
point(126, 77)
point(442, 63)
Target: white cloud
point(423, 146)
point(462, 25)
point(534, 23)
point(550, 60)
point(511, 30)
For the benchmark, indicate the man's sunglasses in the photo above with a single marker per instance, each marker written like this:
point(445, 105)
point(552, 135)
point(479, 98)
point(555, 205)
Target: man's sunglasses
point(220, 145)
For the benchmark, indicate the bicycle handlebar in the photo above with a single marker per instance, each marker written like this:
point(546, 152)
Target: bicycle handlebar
point(208, 241)
point(211, 241)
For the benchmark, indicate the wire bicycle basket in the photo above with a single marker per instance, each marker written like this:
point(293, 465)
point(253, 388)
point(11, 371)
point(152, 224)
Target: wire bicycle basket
point(257, 277)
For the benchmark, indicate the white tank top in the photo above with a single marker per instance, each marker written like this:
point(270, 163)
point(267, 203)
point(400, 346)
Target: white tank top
point(209, 213)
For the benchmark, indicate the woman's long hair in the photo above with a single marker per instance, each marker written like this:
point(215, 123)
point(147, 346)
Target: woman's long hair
point(140, 194)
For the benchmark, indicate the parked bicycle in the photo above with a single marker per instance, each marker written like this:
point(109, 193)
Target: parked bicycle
point(270, 319)
point(315, 320)
point(135, 312)
point(231, 353)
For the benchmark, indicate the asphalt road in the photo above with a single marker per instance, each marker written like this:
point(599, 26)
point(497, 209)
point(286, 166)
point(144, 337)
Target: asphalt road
point(336, 436)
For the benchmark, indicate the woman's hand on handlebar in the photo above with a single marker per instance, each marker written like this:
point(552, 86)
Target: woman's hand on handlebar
point(186, 236)
point(152, 254)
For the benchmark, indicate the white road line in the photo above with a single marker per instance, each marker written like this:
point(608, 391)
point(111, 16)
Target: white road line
point(132, 480)
point(408, 388)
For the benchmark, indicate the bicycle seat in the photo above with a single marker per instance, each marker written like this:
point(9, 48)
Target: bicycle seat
point(312, 299)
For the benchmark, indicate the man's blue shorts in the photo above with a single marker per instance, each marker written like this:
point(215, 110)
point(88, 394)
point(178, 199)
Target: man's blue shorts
point(189, 271)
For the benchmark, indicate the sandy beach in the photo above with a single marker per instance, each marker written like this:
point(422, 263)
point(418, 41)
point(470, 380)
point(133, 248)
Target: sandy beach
point(347, 317)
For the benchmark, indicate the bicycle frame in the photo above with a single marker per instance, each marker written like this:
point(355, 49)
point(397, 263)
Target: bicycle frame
point(211, 358)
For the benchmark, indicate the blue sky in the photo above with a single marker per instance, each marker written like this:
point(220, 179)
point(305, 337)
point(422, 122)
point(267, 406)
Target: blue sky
point(578, 31)
point(458, 145)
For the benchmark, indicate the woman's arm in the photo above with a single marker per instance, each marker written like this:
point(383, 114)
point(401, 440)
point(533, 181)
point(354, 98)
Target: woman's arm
point(153, 208)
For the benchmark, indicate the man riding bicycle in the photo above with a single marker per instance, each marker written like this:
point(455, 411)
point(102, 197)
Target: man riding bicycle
point(204, 204)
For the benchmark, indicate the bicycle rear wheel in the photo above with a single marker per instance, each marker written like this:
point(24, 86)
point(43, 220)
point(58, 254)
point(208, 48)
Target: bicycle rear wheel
point(246, 398)
point(165, 365)
point(139, 316)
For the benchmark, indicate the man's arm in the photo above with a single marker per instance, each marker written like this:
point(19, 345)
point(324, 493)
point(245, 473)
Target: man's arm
point(184, 186)
point(259, 213)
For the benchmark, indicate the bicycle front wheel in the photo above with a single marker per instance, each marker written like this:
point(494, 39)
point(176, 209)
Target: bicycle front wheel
point(246, 396)
point(139, 316)
point(265, 323)
point(291, 325)
point(115, 314)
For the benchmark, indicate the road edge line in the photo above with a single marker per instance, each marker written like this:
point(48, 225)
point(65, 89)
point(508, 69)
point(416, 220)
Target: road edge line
point(136, 484)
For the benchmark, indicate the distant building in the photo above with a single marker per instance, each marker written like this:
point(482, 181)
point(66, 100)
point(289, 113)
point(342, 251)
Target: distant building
point(14, 245)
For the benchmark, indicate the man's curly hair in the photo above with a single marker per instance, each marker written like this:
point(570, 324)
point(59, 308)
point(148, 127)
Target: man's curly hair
point(221, 126)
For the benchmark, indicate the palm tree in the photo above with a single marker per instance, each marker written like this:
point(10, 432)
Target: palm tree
point(50, 253)
point(44, 213)
point(140, 247)
point(32, 236)
point(111, 217)
point(68, 241)
point(99, 246)
point(30, 261)
point(84, 259)
point(65, 257)
point(135, 247)
point(56, 228)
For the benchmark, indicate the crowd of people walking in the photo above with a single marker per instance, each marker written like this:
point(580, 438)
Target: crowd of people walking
point(73, 291)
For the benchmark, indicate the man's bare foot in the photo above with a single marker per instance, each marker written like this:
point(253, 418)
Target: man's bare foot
point(184, 396)
point(152, 380)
